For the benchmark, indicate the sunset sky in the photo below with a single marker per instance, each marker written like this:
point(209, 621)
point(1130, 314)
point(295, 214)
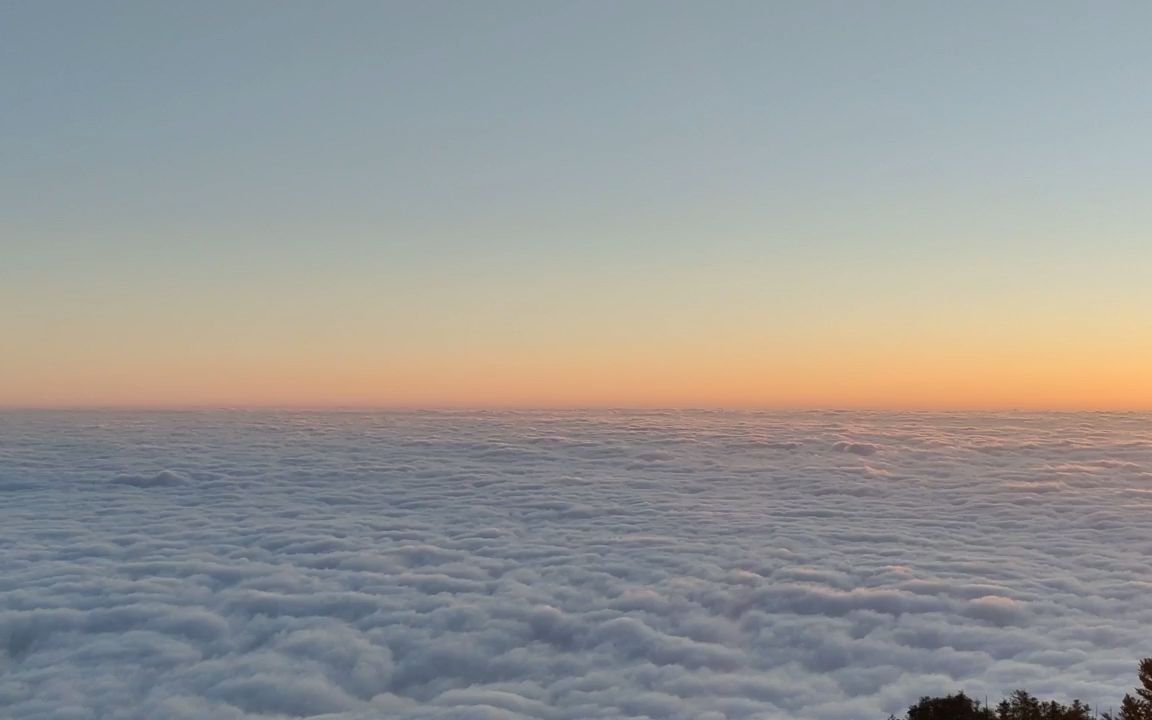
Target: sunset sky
point(438, 204)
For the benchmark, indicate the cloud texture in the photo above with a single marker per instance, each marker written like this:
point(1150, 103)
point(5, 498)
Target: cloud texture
point(495, 566)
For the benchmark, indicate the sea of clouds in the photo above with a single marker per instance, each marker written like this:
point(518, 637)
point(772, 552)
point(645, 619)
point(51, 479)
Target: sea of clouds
point(566, 565)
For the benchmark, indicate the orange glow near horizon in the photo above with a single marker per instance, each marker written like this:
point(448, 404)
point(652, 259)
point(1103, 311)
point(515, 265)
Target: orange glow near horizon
point(714, 377)
point(583, 350)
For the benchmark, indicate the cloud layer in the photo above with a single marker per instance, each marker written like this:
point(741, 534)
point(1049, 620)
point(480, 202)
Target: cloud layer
point(566, 565)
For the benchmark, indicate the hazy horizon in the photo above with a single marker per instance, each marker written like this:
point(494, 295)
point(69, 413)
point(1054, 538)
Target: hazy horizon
point(768, 409)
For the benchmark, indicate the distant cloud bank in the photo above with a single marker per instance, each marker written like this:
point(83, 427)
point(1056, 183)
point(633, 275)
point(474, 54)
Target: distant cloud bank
point(562, 566)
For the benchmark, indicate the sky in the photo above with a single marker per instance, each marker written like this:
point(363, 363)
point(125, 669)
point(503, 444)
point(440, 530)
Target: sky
point(672, 204)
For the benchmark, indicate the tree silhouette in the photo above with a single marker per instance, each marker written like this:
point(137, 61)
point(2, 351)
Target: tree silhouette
point(1145, 692)
point(949, 707)
point(1140, 706)
point(1020, 705)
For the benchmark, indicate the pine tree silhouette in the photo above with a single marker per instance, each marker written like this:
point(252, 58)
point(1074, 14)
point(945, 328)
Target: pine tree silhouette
point(1020, 705)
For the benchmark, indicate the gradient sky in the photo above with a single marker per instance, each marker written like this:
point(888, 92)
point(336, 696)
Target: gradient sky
point(779, 204)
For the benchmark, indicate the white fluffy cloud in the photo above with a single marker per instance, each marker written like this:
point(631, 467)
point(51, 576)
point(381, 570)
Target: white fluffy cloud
point(566, 565)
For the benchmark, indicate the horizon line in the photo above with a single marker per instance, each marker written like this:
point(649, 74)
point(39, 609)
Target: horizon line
point(431, 408)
